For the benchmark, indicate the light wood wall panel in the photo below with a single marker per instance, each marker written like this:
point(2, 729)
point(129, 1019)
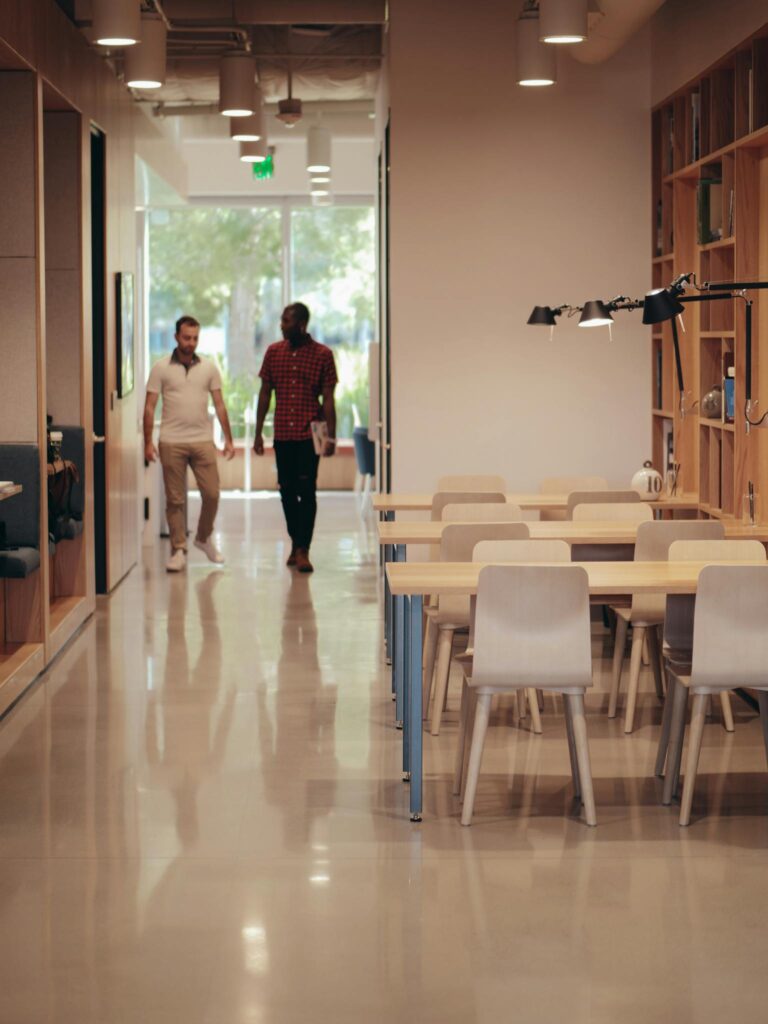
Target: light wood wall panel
point(17, 164)
point(18, 307)
point(63, 345)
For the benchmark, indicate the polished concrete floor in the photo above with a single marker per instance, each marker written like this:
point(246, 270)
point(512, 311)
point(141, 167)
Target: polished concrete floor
point(201, 822)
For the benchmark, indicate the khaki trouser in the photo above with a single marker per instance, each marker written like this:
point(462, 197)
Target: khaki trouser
point(201, 457)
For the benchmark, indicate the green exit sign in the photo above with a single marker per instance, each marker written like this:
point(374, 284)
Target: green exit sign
point(265, 168)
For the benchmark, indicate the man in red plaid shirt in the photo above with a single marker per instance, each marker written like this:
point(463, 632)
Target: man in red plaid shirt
point(300, 371)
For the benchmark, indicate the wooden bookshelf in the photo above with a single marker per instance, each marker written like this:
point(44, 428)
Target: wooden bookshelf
point(710, 197)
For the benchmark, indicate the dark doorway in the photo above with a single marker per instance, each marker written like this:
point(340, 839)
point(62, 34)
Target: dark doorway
point(99, 358)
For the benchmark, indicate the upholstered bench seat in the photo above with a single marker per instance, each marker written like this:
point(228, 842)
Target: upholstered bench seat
point(19, 563)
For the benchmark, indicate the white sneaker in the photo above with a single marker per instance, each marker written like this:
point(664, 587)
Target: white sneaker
point(177, 562)
point(211, 551)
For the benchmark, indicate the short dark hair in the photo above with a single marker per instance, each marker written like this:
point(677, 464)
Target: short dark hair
point(301, 311)
point(186, 321)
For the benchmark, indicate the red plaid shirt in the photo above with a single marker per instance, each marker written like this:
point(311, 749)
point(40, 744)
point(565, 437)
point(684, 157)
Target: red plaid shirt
point(298, 376)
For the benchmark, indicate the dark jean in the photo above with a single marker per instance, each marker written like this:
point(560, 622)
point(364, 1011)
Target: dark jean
point(297, 479)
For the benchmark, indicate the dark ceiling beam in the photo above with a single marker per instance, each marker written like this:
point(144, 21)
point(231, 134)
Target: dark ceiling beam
point(311, 12)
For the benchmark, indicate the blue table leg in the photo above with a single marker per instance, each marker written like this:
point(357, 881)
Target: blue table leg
point(398, 646)
point(407, 668)
point(414, 711)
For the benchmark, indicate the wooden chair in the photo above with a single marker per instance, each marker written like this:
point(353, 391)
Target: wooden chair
point(503, 552)
point(532, 630)
point(626, 511)
point(566, 484)
point(677, 646)
point(730, 648)
point(598, 498)
point(452, 613)
point(476, 482)
point(646, 612)
point(489, 512)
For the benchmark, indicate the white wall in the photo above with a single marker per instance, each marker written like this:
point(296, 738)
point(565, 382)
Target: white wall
point(502, 198)
point(689, 35)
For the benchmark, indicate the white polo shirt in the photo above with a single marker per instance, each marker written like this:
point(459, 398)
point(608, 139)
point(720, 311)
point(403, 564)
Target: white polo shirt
point(185, 392)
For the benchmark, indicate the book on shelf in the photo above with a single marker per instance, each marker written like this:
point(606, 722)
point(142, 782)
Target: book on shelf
point(658, 368)
point(750, 111)
point(671, 145)
point(729, 233)
point(709, 209)
point(695, 126)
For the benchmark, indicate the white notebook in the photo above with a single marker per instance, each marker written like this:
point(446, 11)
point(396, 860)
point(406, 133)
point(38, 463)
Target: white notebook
point(319, 435)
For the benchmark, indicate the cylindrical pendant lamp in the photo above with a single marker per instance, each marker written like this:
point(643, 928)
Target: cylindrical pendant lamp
point(318, 150)
point(237, 77)
point(251, 128)
point(145, 63)
point(535, 61)
point(319, 179)
point(562, 21)
point(116, 22)
point(254, 152)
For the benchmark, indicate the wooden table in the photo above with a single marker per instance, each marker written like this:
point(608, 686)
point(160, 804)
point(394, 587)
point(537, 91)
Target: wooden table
point(573, 532)
point(9, 492)
point(409, 581)
point(388, 504)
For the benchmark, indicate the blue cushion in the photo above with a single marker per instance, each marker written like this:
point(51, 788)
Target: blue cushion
point(16, 565)
point(21, 514)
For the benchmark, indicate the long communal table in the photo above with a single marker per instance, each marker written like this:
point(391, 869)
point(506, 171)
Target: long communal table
point(388, 504)
point(408, 582)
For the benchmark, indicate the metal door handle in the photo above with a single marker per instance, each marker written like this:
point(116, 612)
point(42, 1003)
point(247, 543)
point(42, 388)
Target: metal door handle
point(98, 440)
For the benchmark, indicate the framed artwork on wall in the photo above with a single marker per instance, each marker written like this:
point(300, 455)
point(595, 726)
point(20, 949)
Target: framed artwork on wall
point(125, 341)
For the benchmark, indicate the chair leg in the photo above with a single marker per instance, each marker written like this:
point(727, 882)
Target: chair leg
point(572, 750)
point(666, 723)
point(429, 666)
point(638, 639)
point(677, 727)
point(582, 755)
point(458, 769)
point(695, 733)
point(482, 712)
point(442, 671)
point(762, 700)
point(618, 657)
point(655, 653)
point(646, 655)
point(533, 704)
point(725, 704)
point(469, 731)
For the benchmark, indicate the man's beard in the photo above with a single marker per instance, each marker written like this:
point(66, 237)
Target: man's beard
point(294, 337)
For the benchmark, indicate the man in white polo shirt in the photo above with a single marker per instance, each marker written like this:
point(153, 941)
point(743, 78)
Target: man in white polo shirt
point(185, 380)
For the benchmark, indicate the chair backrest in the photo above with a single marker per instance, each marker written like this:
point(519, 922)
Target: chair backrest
point(21, 514)
point(532, 627)
point(652, 545)
point(613, 511)
point(459, 539)
point(472, 482)
point(598, 498)
point(730, 641)
point(521, 551)
point(566, 484)
point(73, 449)
point(487, 512)
point(442, 498)
point(678, 618)
point(365, 452)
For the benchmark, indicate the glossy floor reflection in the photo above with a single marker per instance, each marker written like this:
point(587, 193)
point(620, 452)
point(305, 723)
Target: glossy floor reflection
point(201, 821)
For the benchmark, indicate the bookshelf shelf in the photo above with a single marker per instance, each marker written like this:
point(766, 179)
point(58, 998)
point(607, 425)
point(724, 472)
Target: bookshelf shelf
point(710, 216)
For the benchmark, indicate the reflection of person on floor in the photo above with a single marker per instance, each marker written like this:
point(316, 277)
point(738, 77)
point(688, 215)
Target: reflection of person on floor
point(181, 736)
point(299, 370)
point(185, 380)
point(302, 789)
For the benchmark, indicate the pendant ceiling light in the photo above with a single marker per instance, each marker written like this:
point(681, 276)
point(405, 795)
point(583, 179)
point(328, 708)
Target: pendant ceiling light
point(563, 21)
point(237, 77)
point(145, 63)
point(254, 152)
point(116, 22)
point(289, 110)
point(319, 179)
point(318, 150)
point(535, 60)
point(251, 128)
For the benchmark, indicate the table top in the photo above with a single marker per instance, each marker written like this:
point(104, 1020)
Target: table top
point(573, 532)
point(530, 502)
point(605, 578)
point(9, 492)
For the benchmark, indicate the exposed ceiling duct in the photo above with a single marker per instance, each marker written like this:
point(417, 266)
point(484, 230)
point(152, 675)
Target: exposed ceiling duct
point(612, 26)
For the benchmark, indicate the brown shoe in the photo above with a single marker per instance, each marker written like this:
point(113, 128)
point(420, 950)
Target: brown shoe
point(303, 563)
point(292, 557)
